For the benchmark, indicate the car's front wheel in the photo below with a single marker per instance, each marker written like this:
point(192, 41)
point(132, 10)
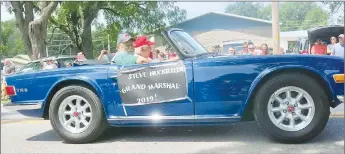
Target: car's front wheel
point(76, 114)
point(292, 108)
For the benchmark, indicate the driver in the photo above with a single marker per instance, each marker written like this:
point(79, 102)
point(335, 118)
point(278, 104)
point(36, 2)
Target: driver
point(125, 54)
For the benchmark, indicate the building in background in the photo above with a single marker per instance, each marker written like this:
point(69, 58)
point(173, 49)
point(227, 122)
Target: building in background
point(214, 28)
point(288, 39)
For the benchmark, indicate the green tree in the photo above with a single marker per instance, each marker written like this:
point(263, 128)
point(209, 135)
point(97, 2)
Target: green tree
point(33, 32)
point(12, 43)
point(249, 9)
point(315, 17)
point(76, 18)
point(335, 8)
point(292, 15)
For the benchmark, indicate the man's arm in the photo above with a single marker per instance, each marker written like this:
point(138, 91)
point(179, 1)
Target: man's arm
point(333, 50)
point(174, 59)
point(101, 55)
point(142, 60)
point(313, 49)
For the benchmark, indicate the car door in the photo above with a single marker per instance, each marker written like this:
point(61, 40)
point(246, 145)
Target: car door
point(155, 91)
point(217, 81)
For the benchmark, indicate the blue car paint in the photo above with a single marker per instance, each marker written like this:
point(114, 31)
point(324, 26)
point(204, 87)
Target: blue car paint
point(217, 86)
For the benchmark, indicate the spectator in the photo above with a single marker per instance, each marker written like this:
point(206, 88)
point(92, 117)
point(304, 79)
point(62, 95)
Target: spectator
point(250, 51)
point(3, 85)
point(171, 54)
point(263, 50)
point(126, 54)
point(231, 51)
point(245, 48)
point(155, 53)
point(330, 46)
point(9, 67)
point(106, 55)
point(319, 48)
point(161, 56)
point(81, 56)
point(338, 49)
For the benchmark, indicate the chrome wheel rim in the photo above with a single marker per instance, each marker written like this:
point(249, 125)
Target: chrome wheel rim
point(291, 108)
point(75, 114)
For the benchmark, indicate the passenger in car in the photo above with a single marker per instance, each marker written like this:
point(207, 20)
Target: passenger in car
point(143, 46)
point(125, 54)
point(49, 64)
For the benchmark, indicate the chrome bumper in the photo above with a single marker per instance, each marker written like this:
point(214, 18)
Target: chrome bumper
point(340, 98)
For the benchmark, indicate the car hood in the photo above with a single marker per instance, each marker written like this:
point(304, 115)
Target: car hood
point(296, 59)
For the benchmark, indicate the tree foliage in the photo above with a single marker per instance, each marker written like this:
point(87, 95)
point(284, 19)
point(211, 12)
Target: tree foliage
point(292, 15)
point(249, 9)
point(12, 43)
point(76, 18)
point(336, 8)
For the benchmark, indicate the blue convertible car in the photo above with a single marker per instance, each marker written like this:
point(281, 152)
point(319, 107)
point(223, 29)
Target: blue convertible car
point(288, 95)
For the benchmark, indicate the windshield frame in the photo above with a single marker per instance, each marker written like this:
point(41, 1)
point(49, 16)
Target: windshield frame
point(185, 54)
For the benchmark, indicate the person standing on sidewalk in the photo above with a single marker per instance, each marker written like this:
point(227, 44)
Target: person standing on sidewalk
point(338, 49)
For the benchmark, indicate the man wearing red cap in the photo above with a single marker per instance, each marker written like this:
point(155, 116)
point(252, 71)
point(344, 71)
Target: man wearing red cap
point(125, 54)
point(143, 47)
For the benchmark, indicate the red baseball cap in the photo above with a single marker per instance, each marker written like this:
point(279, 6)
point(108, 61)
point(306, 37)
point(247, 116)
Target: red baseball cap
point(142, 40)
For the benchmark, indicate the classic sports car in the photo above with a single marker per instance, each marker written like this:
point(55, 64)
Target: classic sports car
point(288, 95)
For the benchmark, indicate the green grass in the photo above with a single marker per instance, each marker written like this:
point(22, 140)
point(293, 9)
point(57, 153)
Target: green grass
point(5, 101)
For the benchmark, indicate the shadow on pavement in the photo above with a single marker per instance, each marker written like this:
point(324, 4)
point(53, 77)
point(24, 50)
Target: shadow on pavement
point(46, 136)
point(30, 112)
point(246, 132)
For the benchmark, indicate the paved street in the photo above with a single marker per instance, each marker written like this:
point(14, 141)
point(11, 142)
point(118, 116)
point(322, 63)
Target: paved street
point(22, 134)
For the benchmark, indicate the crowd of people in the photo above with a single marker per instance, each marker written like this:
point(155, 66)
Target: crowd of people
point(335, 48)
point(248, 48)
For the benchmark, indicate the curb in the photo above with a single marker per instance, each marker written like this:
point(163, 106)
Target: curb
point(337, 114)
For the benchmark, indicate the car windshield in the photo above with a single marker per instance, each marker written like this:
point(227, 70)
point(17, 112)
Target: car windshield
point(187, 43)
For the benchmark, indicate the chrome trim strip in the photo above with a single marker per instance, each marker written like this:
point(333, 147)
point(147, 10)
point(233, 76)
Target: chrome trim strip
point(124, 110)
point(340, 98)
point(190, 117)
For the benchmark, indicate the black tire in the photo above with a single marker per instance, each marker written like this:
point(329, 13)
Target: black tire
point(98, 123)
point(312, 87)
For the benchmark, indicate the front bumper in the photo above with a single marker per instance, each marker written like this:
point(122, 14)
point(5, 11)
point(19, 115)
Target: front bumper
point(32, 110)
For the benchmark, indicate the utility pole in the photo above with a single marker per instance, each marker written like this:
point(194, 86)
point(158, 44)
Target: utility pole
point(0, 27)
point(275, 28)
point(108, 44)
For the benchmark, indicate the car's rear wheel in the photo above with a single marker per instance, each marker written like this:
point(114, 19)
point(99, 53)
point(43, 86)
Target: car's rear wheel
point(292, 107)
point(76, 114)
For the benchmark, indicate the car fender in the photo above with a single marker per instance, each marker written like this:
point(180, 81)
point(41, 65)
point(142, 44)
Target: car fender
point(266, 72)
point(85, 79)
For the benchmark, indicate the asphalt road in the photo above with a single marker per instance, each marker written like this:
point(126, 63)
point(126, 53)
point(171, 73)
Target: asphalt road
point(26, 135)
